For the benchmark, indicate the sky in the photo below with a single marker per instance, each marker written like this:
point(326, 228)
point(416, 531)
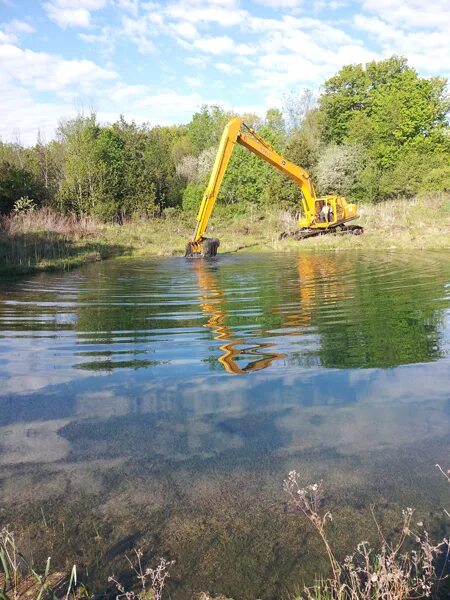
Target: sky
point(158, 62)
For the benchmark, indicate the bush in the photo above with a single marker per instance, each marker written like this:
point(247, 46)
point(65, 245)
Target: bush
point(437, 180)
point(24, 204)
point(16, 183)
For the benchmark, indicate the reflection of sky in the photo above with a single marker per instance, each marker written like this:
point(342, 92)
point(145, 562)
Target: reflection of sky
point(352, 410)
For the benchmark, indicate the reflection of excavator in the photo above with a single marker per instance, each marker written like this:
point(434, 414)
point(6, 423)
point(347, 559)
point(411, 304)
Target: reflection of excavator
point(318, 281)
point(317, 284)
point(320, 215)
point(212, 301)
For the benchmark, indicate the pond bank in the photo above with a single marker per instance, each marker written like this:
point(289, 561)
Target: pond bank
point(45, 241)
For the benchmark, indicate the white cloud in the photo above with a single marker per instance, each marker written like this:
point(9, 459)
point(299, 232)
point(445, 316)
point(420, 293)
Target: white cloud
point(426, 50)
point(208, 12)
point(106, 40)
point(16, 27)
point(226, 68)
point(222, 45)
point(23, 115)
point(215, 45)
point(193, 81)
point(10, 32)
point(72, 13)
point(139, 31)
point(47, 72)
point(185, 30)
point(126, 93)
point(335, 4)
point(131, 6)
point(301, 52)
point(200, 62)
point(266, 56)
point(276, 4)
point(411, 13)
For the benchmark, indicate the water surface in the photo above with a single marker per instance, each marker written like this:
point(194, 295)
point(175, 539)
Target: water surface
point(161, 402)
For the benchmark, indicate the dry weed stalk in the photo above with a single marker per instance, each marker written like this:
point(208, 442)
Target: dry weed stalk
point(445, 474)
point(392, 573)
point(447, 477)
point(152, 581)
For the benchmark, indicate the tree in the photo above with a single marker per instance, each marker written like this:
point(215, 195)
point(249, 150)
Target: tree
point(139, 195)
point(205, 129)
point(391, 112)
point(274, 121)
point(248, 176)
point(339, 169)
point(343, 95)
point(78, 137)
point(385, 106)
point(303, 147)
point(107, 196)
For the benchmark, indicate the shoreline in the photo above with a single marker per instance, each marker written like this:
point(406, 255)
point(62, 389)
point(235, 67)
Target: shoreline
point(43, 241)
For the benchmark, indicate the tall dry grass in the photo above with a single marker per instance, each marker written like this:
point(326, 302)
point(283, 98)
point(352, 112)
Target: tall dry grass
point(45, 240)
point(48, 221)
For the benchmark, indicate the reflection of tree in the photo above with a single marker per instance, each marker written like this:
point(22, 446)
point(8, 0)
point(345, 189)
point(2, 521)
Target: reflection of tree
point(212, 304)
point(368, 315)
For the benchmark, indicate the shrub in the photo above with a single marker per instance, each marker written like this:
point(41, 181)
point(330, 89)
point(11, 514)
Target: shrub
point(24, 204)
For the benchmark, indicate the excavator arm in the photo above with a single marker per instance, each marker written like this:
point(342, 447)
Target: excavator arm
point(224, 152)
point(236, 131)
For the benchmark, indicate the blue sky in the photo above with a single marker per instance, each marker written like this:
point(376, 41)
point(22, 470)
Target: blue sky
point(160, 61)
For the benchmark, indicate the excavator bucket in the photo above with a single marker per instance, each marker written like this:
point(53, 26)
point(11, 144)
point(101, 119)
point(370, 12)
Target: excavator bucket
point(206, 248)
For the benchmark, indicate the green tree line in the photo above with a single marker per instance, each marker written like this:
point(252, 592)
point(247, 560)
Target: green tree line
point(376, 132)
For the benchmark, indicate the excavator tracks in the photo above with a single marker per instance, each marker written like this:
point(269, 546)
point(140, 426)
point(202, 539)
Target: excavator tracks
point(303, 234)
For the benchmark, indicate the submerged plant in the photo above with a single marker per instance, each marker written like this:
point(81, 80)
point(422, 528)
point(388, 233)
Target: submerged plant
point(394, 572)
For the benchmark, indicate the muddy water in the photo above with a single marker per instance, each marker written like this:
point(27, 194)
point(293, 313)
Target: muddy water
point(160, 404)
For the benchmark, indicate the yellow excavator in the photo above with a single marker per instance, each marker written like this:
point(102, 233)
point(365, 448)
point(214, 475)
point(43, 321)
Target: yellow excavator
point(318, 215)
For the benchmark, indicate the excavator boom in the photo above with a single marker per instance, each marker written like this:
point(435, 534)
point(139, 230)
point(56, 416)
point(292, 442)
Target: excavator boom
point(319, 214)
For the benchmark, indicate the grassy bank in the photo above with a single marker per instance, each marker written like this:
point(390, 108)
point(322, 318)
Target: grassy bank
point(43, 240)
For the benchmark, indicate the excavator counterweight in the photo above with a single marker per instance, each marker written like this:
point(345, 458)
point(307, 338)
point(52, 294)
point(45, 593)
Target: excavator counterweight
point(319, 215)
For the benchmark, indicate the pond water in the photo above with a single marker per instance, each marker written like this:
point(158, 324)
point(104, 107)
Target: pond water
point(160, 403)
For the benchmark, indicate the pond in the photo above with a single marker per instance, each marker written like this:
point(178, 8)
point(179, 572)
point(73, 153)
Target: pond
point(160, 403)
